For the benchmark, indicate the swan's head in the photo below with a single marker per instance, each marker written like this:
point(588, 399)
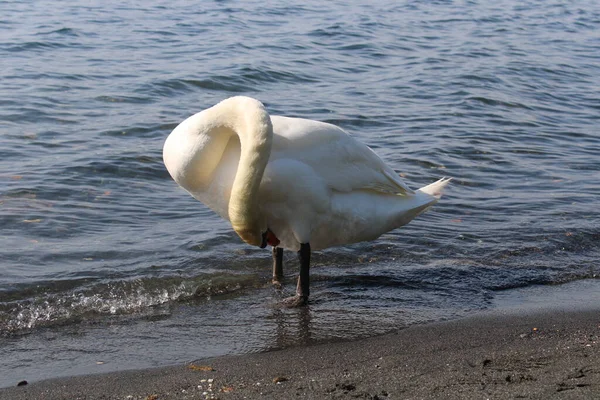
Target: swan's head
point(267, 237)
point(252, 237)
point(253, 233)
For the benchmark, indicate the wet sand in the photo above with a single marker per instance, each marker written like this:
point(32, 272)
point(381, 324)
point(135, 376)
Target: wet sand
point(547, 354)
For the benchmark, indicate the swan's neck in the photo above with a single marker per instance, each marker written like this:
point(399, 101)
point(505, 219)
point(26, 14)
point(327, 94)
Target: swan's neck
point(255, 132)
point(194, 149)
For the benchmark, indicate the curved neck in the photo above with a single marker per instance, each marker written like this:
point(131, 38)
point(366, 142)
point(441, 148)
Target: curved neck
point(248, 119)
point(194, 149)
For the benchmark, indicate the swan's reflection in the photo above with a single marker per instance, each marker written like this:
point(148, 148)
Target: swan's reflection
point(292, 326)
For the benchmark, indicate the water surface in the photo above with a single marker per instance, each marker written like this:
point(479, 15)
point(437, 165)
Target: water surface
point(105, 264)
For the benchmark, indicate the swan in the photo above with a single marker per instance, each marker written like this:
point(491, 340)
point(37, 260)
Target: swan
point(291, 183)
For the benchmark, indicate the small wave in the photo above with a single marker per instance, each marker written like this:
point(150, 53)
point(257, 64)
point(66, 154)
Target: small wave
point(259, 75)
point(157, 32)
point(29, 114)
point(541, 281)
point(336, 31)
point(219, 83)
point(481, 78)
point(355, 46)
point(493, 102)
point(143, 131)
point(123, 99)
point(36, 46)
point(358, 121)
point(171, 87)
point(136, 298)
point(241, 80)
point(132, 166)
point(371, 281)
point(62, 31)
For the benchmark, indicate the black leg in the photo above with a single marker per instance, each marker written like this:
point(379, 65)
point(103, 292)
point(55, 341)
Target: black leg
point(277, 265)
point(303, 288)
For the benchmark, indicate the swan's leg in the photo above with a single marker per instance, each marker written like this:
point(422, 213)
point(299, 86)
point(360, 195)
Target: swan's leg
point(277, 266)
point(303, 288)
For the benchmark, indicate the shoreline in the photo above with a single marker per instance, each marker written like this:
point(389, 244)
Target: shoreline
point(552, 353)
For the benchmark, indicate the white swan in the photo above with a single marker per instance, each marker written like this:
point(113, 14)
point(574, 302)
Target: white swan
point(289, 182)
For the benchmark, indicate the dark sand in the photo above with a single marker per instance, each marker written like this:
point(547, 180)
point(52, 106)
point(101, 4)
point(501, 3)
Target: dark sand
point(535, 355)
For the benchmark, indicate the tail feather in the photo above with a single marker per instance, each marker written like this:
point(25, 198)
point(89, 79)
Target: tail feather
point(436, 188)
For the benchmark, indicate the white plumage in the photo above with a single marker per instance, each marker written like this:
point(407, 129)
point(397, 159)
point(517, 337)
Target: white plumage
point(305, 181)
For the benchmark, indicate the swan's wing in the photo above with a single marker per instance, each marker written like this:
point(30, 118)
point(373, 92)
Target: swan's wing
point(344, 163)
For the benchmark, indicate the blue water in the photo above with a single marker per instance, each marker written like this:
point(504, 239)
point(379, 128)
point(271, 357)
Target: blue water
point(106, 264)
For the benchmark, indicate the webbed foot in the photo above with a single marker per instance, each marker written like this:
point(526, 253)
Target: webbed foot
point(295, 301)
point(277, 283)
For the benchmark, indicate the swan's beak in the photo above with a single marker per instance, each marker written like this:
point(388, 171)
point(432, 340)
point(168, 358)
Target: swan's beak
point(269, 238)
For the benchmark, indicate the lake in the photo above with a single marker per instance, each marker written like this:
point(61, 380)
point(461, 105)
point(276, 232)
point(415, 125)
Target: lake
point(105, 264)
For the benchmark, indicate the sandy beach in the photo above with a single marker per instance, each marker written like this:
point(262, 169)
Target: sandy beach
point(547, 354)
